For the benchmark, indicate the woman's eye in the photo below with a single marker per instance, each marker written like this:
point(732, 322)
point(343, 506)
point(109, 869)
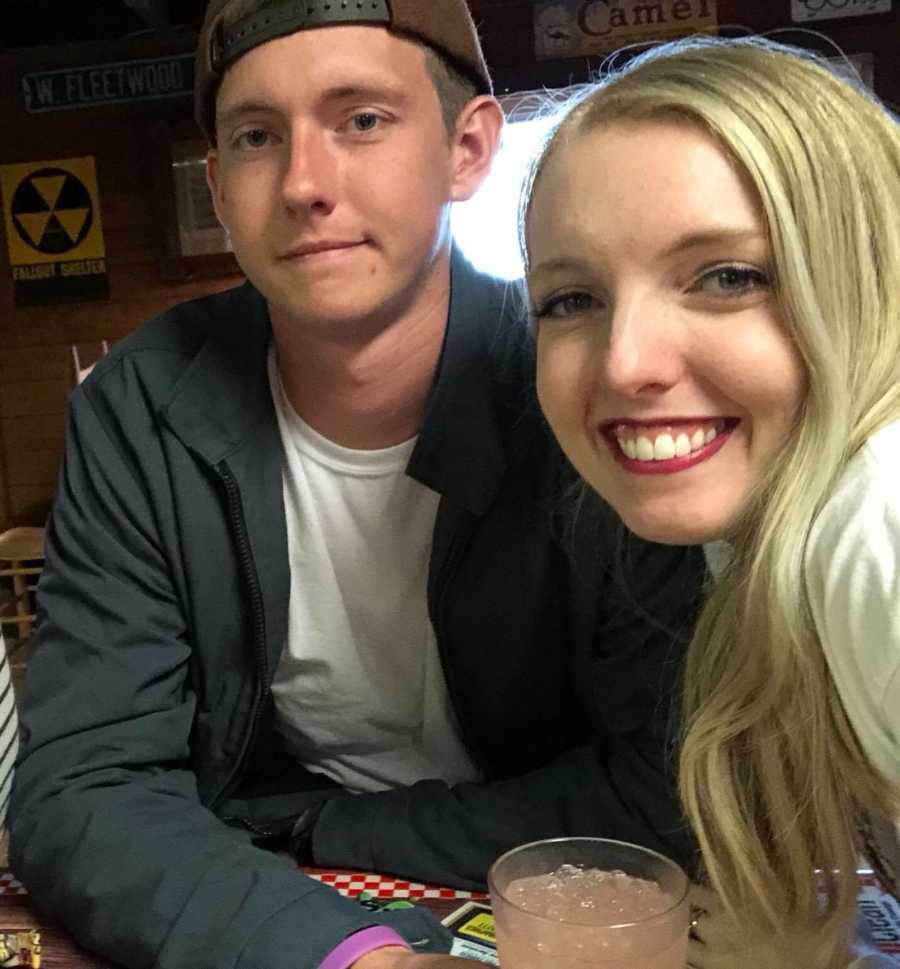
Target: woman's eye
point(566, 304)
point(732, 281)
point(254, 139)
point(365, 121)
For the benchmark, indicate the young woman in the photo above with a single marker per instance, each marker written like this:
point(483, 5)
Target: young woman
point(713, 256)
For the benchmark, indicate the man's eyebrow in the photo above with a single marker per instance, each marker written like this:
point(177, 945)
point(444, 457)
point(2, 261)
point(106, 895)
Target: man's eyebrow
point(353, 91)
point(342, 92)
point(240, 108)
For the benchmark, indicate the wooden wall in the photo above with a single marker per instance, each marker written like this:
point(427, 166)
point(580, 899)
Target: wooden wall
point(126, 142)
point(508, 36)
point(35, 342)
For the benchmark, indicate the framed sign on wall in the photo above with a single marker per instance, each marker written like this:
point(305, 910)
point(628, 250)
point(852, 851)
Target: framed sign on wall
point(199, 231)
point(194, 244)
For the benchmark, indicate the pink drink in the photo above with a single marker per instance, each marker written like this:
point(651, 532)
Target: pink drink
point(580, 917)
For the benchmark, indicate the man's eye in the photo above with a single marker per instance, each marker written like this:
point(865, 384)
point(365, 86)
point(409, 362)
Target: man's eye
point(365, 121)
point(255, 138)
point(732, 281)
point(566, 304)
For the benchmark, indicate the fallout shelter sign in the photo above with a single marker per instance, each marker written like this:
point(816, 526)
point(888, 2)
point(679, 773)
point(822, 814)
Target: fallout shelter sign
point(54, 231)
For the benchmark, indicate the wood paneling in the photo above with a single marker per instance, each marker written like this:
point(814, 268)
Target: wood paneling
point(507, 33)
point(35, 342)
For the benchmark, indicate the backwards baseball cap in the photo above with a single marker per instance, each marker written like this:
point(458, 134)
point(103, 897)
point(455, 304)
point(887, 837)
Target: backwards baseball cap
point(233, 27)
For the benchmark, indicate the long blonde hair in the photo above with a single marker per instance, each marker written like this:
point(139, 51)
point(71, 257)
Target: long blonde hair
point(772, 776)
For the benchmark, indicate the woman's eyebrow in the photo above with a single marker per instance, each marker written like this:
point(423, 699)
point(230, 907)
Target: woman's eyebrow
point(706, 238)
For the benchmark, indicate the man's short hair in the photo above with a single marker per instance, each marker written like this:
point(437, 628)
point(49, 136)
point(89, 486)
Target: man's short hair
point(231, 28)
point(454, 89)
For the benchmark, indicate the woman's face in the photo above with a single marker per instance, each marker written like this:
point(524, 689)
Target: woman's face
point(663, 366)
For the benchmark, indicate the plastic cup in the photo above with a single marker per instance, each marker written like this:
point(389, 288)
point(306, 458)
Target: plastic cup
point(591, 934)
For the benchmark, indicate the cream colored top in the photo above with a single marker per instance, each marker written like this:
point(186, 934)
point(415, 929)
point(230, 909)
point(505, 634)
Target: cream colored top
point(853, 579)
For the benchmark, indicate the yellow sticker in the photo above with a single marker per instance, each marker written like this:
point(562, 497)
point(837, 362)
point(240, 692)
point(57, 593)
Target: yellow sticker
point(481, 926)
point(52, 213)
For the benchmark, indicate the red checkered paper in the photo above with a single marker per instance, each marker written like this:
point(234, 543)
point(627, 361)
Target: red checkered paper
point(10, 885)
point(355, 883)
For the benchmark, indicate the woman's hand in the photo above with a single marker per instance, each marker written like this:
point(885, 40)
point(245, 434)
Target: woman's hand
point(720, 942)
point(716, 941)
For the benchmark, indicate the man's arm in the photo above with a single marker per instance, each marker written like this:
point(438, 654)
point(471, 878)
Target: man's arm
point(452, 835)
point(621, 786)
point(107, 829)
point(619, 781)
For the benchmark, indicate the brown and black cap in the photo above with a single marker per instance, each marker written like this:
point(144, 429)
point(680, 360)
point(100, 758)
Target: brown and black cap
point(233, 27)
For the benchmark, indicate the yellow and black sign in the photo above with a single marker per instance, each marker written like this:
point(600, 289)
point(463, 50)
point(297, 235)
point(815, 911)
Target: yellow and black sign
point(54, 231)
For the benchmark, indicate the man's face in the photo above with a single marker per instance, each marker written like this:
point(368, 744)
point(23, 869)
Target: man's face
point(333, 174)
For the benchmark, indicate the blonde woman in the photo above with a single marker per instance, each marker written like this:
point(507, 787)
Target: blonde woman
point(713, 257)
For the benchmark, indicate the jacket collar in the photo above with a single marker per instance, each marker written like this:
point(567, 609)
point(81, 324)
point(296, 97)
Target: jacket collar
point(460, 452)
point(223, 394)
point(222, 397)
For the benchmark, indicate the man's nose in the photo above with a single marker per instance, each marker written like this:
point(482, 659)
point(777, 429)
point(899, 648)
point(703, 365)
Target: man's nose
point(311, 173)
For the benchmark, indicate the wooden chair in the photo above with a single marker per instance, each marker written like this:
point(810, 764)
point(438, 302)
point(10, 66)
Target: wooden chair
point(81, 370)
point(21, 559)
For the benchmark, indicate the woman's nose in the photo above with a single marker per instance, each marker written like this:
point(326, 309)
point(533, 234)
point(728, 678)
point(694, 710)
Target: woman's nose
point(645, 351)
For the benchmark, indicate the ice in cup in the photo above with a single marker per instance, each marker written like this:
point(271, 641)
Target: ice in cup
point(589, 903)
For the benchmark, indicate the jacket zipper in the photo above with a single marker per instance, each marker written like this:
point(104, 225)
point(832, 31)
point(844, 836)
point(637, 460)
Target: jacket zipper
point(257, 611)
point(458, 545)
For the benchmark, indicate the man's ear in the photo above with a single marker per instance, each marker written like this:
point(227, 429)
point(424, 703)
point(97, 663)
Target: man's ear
point(214, 181)
point(474, 145)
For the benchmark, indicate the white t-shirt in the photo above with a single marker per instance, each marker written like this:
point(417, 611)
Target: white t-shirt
point(359, 690)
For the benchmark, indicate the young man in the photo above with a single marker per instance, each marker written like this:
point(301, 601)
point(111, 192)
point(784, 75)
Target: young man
point(302, 581)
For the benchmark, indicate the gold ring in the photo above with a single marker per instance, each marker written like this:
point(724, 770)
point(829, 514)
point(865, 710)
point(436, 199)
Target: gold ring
point(696, 915)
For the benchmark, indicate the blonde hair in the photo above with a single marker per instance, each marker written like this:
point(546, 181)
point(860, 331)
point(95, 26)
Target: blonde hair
point(772, 776)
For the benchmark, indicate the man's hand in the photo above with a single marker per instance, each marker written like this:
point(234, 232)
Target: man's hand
point(396, 957)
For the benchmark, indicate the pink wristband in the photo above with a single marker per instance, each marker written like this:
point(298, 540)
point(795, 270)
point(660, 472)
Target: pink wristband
point(357, 945)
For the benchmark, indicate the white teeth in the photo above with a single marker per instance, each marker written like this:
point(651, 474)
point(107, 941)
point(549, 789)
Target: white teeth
point(643, 449)
point(664, 448)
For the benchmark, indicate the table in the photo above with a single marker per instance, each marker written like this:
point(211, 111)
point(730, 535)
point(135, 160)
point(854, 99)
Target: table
point(59, 951)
